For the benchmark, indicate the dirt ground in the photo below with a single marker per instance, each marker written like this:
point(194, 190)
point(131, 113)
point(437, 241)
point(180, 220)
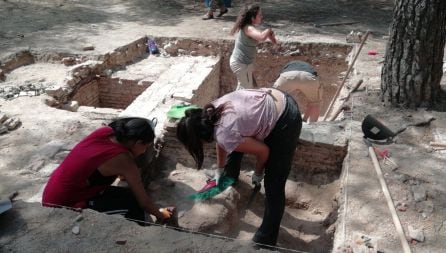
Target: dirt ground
point(64, 26)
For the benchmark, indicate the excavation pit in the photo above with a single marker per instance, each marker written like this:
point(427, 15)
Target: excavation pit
point(313, 185)
point(197, 71)
point(124, 76)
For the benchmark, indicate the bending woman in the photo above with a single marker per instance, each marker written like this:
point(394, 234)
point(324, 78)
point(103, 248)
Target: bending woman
point(263, 122)
point(245, 48)
point(84, 178)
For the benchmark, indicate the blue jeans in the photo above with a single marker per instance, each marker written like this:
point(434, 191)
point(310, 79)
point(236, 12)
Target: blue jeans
point(214, 4)
point(282, 142)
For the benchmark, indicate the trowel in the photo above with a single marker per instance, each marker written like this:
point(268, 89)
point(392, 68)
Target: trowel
point(5, 205)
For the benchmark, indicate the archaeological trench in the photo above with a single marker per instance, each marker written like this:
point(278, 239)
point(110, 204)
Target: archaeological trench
point(131, 82)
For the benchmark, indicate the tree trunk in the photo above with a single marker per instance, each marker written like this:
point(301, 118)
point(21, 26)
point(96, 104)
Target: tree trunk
point(413, 64)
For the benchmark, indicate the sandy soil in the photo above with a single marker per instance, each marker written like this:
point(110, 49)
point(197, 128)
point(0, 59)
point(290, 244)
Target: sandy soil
point(67, 26)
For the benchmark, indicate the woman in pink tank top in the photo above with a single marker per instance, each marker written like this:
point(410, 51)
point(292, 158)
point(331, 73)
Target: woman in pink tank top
point(248, 121)
point(84, 178)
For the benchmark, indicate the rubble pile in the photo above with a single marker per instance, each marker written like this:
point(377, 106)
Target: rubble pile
point(14, 91)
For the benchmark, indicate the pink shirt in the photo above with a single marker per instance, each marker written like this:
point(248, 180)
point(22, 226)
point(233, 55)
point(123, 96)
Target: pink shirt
point(248, 113)
point(68, 184)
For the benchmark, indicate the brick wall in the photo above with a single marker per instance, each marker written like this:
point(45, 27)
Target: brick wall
point(329, 59)
point(110, 93)
point(318, 163)
point(313, 163)
point(124, 55)
point(119, 93)
point(88, 94)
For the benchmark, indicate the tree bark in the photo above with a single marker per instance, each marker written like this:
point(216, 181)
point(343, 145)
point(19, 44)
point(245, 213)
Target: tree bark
point(413, 64)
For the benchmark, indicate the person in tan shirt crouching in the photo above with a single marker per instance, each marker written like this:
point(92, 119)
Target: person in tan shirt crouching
point(300, 80)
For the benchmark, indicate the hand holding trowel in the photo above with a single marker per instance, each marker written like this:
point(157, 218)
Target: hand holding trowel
point(257, 183)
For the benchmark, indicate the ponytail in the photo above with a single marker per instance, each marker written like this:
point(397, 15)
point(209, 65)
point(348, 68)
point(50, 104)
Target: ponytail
point(196, 126)
point(244, 18)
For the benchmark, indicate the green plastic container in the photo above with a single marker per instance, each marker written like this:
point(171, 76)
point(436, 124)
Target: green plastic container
point(177, 111)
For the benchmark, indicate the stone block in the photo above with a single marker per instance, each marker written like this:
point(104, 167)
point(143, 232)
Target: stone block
point(12, 123)
point(50, 101)
point(54, 91)
point(3, 117)
point(68, 61)
point(88, 48)
point(3, 129)
point(71, 106)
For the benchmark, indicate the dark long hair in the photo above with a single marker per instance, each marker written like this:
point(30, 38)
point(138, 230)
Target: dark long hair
point(198, 125)
point(133, 129)
point(245, 18)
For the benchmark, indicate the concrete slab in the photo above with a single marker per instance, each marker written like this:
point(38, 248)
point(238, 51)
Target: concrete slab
point(178, 84)
point(148, 69)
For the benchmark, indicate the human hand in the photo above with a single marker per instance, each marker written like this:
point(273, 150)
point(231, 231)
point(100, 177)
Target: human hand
point(257, 179)
point(271, 32)
point(272, 37)
point(274, 40)
point(164, 215)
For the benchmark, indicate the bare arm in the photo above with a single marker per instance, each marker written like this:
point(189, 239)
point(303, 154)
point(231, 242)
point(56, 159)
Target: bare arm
point(257, 148)
point(221, 156)
point(124, 165)
point(257, 34)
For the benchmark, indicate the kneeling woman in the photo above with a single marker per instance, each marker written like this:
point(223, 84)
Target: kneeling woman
point(263, 122)
point(84, 178)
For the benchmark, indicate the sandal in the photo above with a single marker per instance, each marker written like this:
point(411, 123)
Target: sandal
point(207, 17)
point(222, 13)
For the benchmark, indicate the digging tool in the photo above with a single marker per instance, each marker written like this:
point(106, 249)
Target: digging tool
point(336, 24)
point(374, 130)
point(330, 107)
point(5, 205)
point(438, 144)
point(395, 218)
point(342, 108)
point(254, 192)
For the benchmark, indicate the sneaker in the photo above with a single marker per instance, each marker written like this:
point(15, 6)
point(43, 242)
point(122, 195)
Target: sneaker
point(222, 13)
point(207, 17)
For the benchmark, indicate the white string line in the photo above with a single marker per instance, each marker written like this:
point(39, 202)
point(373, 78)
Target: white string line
point(194, 243)
point(181, 229)
point(346, 174)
